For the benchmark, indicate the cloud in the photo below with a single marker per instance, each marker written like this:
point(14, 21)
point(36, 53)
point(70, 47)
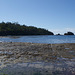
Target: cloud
point(63, 30)
point(70, 29)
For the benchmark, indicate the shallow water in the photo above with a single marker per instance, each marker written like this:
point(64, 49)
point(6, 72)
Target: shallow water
point(40, 68)
point(40, 39)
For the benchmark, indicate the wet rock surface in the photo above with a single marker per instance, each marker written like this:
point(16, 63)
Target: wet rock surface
point(28, 52)
point(58, 56)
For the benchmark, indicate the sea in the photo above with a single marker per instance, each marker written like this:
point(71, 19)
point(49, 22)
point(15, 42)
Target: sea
point(49, 39)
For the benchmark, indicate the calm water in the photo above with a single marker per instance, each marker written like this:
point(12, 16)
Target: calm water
point(40, 39)
point(40, 68)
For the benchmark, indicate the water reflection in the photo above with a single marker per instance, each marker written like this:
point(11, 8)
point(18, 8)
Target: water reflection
point(14, 37)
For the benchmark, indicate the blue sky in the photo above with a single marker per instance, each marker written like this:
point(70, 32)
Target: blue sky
point(57, 16)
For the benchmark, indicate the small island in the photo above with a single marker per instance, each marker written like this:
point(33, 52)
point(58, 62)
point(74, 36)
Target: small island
point(69, 33)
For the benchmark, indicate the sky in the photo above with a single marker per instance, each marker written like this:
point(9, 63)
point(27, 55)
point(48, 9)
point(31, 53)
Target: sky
point(57, 16)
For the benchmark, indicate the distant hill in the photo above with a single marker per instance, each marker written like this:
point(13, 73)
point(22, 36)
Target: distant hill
point(17, 29)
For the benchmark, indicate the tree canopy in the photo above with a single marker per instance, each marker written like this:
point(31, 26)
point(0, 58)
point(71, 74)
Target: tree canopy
point(69, 33)
point(9, 28)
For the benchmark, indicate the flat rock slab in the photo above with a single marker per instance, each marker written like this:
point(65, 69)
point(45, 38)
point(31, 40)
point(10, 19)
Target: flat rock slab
point(17, 58)
point(13, 52)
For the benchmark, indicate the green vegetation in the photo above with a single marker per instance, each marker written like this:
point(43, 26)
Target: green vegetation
point(69, 33)
point(9, 28)
point(17, 29)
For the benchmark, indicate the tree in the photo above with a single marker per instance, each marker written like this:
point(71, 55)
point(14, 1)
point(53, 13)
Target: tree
point(17, 29)
point(69, 33)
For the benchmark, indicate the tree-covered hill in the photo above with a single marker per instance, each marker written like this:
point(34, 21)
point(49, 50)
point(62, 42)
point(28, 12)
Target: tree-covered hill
point(17, 29)
point(69, 33)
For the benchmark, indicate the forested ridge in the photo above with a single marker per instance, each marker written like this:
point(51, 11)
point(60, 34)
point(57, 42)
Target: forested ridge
point(9, 28)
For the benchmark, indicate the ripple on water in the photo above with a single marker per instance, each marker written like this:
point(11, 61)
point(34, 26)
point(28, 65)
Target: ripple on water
point(43, 68)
